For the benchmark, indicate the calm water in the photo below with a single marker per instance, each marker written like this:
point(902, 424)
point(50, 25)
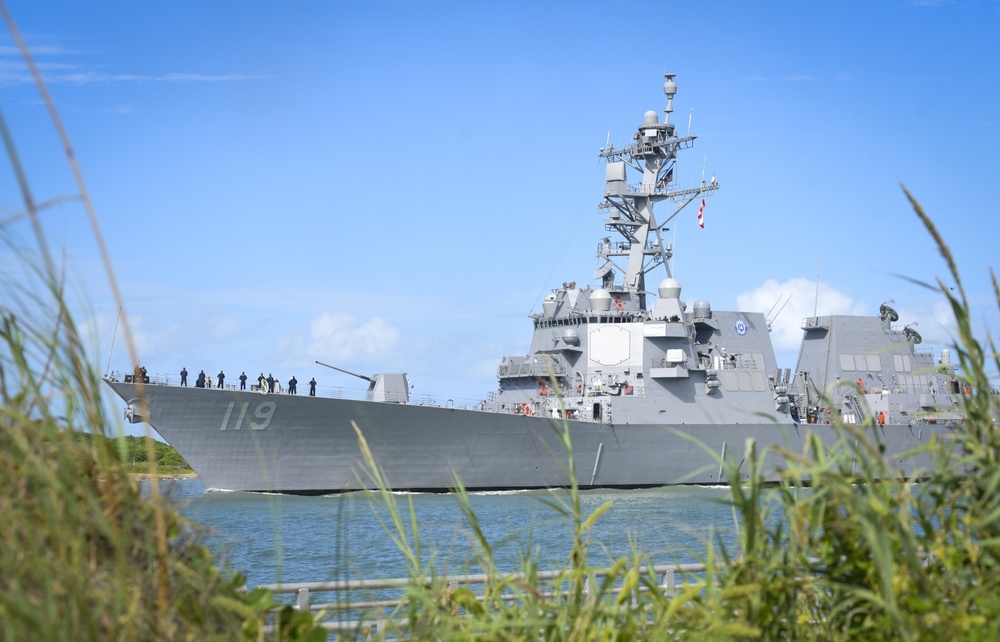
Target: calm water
point(279, 538)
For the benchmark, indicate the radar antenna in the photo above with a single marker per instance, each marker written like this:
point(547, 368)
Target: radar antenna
point(886, 312)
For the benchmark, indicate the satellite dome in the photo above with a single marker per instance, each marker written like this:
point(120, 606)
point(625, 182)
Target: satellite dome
point(669, 288)
point(570, 336)
point(702, 309)
point(600, 300)
point(650, 118)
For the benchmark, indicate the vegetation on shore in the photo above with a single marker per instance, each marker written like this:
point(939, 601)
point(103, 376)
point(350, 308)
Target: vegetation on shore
point(136, 458)
point(85, 555)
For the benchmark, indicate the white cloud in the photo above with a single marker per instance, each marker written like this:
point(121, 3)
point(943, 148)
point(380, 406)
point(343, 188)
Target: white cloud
point(943, 314)
point(786, 329)
point(11, 74)
point(342, 337)
point(224, 327)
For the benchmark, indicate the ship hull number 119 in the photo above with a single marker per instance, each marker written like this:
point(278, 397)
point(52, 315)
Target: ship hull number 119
point(261, 418)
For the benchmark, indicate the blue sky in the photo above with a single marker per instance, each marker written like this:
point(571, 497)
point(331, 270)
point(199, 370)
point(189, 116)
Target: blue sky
point(394, 186)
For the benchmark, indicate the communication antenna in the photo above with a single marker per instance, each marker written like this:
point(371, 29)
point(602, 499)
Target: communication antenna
point(690, 115)
point(703, 166)
point(775, 317)
point(819, 263)
point(113, 338)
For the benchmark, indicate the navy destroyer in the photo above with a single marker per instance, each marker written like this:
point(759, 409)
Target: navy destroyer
point(649, 388)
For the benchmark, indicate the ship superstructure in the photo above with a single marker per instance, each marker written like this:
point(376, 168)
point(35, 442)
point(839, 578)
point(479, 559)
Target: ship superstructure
point(645, 383)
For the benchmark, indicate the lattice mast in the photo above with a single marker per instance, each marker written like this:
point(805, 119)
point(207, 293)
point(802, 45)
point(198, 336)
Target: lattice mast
point(653, 152)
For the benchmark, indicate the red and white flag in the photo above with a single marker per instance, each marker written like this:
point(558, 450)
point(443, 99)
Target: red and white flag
point(701, 216)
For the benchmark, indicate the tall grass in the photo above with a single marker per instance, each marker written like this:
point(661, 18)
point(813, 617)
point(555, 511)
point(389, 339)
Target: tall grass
point(842, 547)
point(84, 555)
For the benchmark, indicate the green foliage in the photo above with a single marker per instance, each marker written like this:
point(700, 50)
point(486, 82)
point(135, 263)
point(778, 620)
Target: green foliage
point(874, 555)
point(135, 449)
point(83, 554)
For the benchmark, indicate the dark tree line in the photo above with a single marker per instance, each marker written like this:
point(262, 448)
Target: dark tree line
point(136, 453)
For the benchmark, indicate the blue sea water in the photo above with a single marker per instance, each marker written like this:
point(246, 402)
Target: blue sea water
point(284, 538)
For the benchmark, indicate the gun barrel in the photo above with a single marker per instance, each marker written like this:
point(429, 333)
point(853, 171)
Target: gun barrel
point(359, 376)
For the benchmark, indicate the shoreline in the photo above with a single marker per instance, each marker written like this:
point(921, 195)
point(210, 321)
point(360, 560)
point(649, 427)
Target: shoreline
point(148, 476)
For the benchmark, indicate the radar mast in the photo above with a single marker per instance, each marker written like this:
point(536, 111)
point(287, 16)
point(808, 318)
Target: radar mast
point(629, 206)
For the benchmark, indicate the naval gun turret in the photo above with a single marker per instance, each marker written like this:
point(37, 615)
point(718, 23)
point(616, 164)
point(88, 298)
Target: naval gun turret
point(391, 387)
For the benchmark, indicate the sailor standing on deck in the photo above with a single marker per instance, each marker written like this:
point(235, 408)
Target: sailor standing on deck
point(184, 376)
point(222, 378)
point(243, 381)
point(291, 385)
point(270, 382)
point(261, 381)
point(312, 387)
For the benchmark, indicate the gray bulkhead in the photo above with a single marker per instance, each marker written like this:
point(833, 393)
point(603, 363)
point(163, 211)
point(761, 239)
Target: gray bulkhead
point(864, 365)
point(623, 365)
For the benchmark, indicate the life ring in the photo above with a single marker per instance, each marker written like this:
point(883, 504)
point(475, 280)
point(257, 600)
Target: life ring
point(579, 389)
point(528, 409)
point(543, 391)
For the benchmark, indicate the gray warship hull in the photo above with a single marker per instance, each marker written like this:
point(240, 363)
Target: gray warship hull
point(308, 445)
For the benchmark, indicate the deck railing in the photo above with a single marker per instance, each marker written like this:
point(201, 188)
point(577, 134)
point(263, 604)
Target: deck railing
point(336, 392)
